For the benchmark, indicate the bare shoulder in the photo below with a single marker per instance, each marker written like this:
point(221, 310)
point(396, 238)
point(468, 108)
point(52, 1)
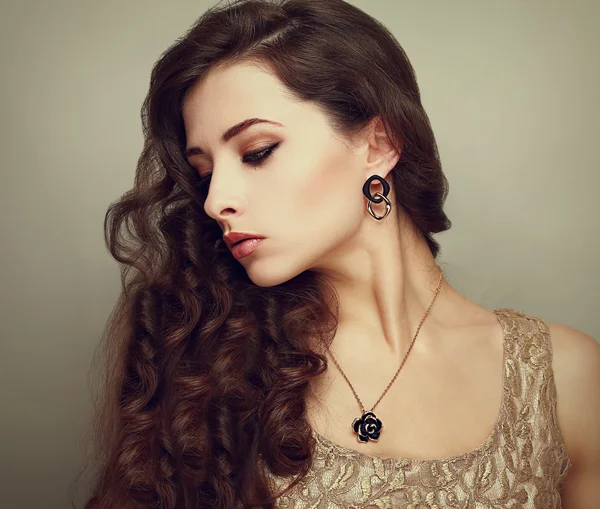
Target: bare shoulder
point(576, 366)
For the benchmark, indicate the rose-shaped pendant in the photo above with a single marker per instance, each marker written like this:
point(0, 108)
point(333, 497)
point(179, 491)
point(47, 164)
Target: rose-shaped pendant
point(367, 427)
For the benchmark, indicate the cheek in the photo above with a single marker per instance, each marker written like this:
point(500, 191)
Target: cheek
point(309, 213)
point(322, 180)
point(327, 204)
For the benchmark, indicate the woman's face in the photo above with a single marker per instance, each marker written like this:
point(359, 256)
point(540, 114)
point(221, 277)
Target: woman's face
point(304, 192)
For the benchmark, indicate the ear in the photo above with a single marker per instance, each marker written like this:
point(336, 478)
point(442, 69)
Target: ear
point(382, 156)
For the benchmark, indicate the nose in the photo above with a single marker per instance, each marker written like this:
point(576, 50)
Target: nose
point(224, 201)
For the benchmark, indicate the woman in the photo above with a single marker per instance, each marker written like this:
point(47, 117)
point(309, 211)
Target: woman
point(298, 127)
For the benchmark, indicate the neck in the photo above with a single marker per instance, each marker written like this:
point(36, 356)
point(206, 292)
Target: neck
point(386, 278)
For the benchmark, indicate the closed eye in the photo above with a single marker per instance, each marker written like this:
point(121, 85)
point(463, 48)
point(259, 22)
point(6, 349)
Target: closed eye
point(254, 159)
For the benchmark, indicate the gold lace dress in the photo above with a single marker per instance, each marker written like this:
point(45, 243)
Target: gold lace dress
point(521, 464)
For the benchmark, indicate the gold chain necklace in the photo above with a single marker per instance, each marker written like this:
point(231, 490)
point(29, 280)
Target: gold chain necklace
point(368, 427)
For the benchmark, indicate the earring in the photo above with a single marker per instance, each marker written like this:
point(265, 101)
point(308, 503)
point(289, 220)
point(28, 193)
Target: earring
point(378, 197)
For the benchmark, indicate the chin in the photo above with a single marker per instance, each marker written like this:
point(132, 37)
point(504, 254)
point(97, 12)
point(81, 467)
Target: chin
point(266, 275)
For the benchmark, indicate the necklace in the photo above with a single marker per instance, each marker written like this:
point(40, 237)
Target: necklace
point(368, 426)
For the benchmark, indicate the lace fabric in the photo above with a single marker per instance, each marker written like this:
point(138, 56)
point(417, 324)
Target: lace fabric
point(522, 463)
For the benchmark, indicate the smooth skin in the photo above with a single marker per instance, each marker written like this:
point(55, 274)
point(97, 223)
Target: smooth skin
point(305, 196)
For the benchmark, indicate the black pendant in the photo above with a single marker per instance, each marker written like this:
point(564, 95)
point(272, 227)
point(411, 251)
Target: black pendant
point(367, 427)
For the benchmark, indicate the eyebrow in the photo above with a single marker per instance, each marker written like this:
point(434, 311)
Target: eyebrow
point(231, 132)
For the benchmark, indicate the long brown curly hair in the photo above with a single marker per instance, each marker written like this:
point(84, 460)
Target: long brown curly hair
point(204, 373)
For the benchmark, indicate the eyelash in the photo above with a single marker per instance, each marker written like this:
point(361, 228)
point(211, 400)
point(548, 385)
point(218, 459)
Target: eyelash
point(262, 156)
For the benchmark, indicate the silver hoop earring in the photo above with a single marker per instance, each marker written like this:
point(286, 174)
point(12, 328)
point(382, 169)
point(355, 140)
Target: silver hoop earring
point(388, 207)
point(378, 197)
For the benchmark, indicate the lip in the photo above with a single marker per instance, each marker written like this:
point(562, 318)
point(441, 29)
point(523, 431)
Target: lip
point(245, 247)
point(232, 237)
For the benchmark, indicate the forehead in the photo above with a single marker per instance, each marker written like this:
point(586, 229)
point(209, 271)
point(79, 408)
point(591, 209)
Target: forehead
point(230, 94)
point(242, 89)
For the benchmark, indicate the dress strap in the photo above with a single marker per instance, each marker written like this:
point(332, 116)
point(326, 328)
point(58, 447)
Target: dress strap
point(533, 399)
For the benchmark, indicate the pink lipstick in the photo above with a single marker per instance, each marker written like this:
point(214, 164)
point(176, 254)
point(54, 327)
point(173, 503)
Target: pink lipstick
point(245, 247)
point(242, 244)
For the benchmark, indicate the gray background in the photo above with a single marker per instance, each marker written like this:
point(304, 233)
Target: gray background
point(511, 87)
